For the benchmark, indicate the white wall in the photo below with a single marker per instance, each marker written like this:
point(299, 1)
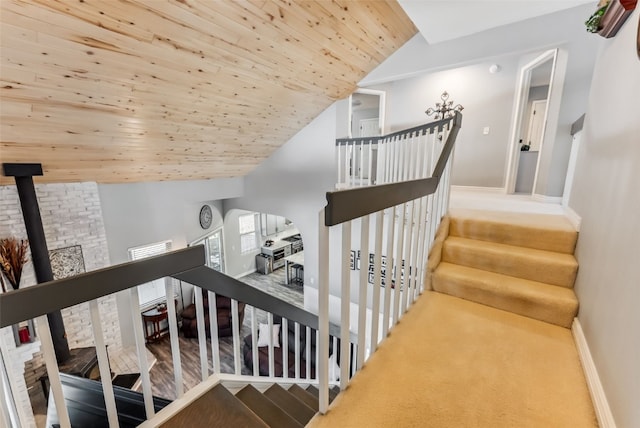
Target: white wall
point(293, 181)
point(487, 100)
point(478, 159)
point(605, 194)
point(71, 215)
point(144, 213)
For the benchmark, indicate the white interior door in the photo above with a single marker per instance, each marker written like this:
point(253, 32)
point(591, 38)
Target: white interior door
point(369, 127)
point(536, 124)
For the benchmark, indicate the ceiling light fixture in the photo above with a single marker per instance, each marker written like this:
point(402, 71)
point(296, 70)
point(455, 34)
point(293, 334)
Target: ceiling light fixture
point(495, 68)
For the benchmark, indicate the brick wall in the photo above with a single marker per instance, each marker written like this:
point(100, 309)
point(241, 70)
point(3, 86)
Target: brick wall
point(71, 215)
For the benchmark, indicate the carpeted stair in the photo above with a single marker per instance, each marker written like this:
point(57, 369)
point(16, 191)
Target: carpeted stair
point(522, 263)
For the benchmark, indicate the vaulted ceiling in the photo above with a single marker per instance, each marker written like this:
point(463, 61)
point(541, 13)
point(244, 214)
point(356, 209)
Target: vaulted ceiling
point(146, 90)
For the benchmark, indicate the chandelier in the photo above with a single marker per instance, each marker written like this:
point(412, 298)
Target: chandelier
point(444, 109)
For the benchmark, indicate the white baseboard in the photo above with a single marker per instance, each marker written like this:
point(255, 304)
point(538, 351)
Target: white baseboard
point(547, 199)
point(573, 217)
point(245, 273)
point(478, 189)
point(600, 403)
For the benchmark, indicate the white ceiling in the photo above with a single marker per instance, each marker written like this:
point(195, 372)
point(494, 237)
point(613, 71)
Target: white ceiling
point(441, 20)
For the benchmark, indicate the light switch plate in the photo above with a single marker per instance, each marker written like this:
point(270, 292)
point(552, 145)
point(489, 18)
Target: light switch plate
point(485, 130)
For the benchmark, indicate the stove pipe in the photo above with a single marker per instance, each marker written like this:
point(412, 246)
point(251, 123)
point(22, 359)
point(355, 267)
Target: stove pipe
point(23, 174)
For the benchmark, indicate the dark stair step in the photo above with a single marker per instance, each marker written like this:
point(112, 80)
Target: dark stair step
point(290, 404)
point(266, 409)
point(304, 396)
point(216, 408)
point(333, 392)
point(84, 400)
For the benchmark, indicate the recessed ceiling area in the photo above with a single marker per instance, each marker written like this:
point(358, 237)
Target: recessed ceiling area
point(148, 90)
point(439, 21)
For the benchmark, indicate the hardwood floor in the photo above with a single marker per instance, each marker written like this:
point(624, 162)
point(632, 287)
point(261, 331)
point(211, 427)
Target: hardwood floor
point(162, 376)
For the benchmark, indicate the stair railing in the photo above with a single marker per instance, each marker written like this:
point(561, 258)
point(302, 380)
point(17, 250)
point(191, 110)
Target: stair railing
point(186, 265)
point(377, 239)
point(399, 156)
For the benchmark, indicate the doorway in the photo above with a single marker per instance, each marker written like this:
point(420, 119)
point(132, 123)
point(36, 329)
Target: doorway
point(529, 123)
point(365, 119)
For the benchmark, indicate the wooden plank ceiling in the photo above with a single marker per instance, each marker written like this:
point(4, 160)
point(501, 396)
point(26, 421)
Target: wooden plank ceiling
point(146, 90)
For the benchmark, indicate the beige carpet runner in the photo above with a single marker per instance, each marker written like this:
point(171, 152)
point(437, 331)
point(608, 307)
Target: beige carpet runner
point(522, 263)
point(452, 363)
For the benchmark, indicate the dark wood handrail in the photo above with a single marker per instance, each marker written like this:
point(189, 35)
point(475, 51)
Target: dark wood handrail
point(219, 283)
point(31, 302)
point(349, 204)
point(421, 129)
point(185, 264)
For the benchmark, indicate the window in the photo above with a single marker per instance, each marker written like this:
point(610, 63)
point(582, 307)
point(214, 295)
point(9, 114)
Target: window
point(247, 230)
point(152, 292)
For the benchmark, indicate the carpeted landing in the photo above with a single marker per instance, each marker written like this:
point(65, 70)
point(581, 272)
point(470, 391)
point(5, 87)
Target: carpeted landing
point(455, 363)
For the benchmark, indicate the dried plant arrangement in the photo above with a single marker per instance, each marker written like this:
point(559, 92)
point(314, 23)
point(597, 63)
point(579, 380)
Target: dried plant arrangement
point(13, 257)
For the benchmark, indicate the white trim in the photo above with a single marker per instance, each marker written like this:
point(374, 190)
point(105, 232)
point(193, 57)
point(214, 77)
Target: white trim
point(381, 108)
point(547, 199)
point(571, 168)
point(573, 217)
point(249, 272)
point(522, 94)
point(600, 403)
point(478, 189)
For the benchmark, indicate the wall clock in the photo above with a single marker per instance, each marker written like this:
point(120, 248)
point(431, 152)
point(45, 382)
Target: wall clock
point(206, 217)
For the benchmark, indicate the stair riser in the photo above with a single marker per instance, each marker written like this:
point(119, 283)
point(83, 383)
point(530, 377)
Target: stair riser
point(558, 272)
point(474, 290)
point(529, 237)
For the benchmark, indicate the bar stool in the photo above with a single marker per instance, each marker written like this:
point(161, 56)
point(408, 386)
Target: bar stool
point(298, 274)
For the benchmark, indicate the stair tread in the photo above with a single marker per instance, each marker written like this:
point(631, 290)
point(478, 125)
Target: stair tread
point(333, 392)
point(528, 263)
point(266, 409)
point(290, 404)
point(545, 302)
point(304, 396)
point(217, 407)
point(540, 231)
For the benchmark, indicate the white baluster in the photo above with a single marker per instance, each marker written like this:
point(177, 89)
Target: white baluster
point(406, 290)
point(8, 411)
point(172, 319)
point(370, 163)
point(103, 365)
point(362, 295)
point(297, 350)
point(307, 352)
point(284, 334)
point(46, 346)
point(202, 338)
point(391, 220)
point(398, 263)
point(143, 364)
point(323, 317)
point(213, 328)
point(271, 344)
point(254, 342)
point(346, 300)
point(377, 258)
point(235, 331)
